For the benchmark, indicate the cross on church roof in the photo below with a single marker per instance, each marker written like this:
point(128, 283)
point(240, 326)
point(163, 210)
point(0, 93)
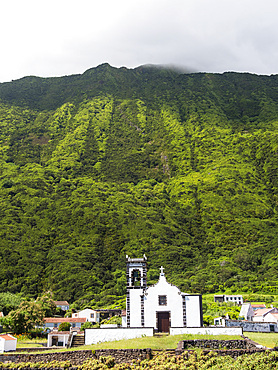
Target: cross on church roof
point(161, 270)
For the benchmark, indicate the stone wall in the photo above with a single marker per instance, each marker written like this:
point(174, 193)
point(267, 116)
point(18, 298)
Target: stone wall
point(251, 326)
point(78, 357)
point(120, 355)
point(215, 344)
point(234, 353)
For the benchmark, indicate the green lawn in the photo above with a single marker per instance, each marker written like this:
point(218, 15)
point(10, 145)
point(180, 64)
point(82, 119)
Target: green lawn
point(269, 340)
point(29, 343)
point(163, 342)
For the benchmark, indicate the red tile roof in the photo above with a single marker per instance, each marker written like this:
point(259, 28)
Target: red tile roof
point(7, 337)
point(61, 303)
point(263, 311)
point(58, 332)
point(258, 305)
point(63, 319)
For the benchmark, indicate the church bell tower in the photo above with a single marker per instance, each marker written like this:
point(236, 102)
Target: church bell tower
point(136, 279)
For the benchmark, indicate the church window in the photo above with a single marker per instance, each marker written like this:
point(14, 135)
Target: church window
point(162, 300)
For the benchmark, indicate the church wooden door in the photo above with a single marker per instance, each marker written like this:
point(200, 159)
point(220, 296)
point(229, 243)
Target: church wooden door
point(163, 322)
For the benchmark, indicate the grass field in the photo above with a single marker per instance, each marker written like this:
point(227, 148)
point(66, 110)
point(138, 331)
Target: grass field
point(161, 342)
point(157, 342)
point(29, 343)
point(269, 340)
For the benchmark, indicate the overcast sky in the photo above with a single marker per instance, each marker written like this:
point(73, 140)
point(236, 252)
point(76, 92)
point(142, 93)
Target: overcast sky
point(62, 37)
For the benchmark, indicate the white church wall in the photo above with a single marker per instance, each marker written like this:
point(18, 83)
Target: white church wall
point(206, 331)
point(93, 336)
point(193, 317)
point(173, 303)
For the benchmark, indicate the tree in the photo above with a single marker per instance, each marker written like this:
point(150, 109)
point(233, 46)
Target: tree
point(64, 326)
point(29, 314)
point(9, 301)
point(47, 304)
point(24, 318)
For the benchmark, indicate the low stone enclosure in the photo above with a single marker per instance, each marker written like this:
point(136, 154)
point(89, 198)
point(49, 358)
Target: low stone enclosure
point(253, 326)
point(78, 357)
point(233, 348)
point(215, 344)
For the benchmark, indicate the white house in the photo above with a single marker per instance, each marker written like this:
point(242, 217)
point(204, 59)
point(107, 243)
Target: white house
point(235, 299)
point(96, 316)
point(58, 338)
point(161, 306)
point(271, 317)
point(7, 343)
point(89, 314)
point(260, 315)
point(247, 311)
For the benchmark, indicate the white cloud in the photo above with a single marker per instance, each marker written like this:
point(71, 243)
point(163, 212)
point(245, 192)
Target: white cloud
point(48, 38)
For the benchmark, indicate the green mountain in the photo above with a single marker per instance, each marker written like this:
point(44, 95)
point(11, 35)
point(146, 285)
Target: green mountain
point(181, 167)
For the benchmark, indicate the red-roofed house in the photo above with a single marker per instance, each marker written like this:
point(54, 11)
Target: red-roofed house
point(54, 322)
point(259, 315)
point(271, 317)
point(7, 343)
point(258, 306)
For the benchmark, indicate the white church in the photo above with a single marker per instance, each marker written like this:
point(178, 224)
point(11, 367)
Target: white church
point(161, 306)
point(158, 308)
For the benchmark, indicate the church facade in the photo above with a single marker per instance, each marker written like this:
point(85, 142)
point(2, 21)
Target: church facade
point(160, 306)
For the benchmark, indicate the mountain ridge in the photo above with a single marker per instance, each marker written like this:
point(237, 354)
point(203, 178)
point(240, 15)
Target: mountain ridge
point(181, 167)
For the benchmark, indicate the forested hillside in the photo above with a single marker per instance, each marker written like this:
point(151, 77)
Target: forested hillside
point(181, 167)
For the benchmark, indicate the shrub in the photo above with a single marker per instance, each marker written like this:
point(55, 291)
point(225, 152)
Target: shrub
point(64, 326)
point(87, 325)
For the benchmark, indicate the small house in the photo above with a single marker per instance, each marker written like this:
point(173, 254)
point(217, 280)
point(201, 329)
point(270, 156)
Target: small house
point(219, 321)
point(247, 311)
point(89, 314)
point(7, 343)
point(271, 317)
point(96, 316)
point(58, 338)
point(223, 298)
point(64, 305)
point(260, 315)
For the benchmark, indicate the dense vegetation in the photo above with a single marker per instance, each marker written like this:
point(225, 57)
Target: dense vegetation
point(181, 167)
point(197, 360)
